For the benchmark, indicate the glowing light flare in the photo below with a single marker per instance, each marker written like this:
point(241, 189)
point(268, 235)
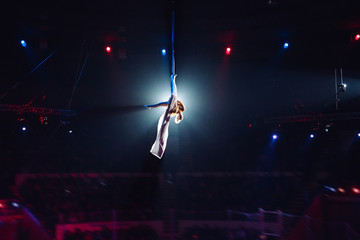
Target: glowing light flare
point(163, 52)
point(286, 45)
point(23, 43)
point(357, 37)
point(108, 49)
point(330, 188)
point(312, 135)
point(23, 129)
point(228, 51)
point(355, 190)
point(189, 92)
point(274, 136)
point(2, 205)
point(342, 190)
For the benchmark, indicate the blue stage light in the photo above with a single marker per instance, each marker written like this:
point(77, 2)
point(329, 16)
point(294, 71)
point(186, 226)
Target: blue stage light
point(358, 134)
point(330, 188)
point(275, 136)
point(23, 128)
point(312, 135)
point(286, 45)
point(23, 43)
point(163, 52)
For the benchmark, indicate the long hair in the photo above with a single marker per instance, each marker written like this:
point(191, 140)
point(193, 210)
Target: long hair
point(178, 110)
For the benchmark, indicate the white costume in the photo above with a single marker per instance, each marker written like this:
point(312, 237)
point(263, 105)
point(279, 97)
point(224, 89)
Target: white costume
point(159, 146)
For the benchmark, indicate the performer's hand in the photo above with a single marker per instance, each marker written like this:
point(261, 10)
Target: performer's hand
point(147, 106)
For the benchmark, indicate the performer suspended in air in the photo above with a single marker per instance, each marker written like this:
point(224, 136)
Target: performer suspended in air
point(174, 108)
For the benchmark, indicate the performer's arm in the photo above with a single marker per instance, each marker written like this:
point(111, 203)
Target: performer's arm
point(161, 104)
point(172, 83)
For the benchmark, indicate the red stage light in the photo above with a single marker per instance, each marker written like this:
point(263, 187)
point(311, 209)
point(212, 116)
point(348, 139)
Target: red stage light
point(108, 49)
point(357, 37)
point(2, 205)
point(355, 190)
point(228, 51)
point(341, 190)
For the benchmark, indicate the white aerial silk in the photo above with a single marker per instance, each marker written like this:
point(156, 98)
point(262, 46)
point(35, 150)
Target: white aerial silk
point(159, 146)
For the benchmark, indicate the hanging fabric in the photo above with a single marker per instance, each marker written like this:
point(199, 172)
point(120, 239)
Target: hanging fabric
point(174, 107)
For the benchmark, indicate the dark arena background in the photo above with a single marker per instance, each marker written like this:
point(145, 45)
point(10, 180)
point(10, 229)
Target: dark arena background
point(269, 147)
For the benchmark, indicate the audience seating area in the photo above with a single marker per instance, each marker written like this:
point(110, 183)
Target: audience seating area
point(82, 197)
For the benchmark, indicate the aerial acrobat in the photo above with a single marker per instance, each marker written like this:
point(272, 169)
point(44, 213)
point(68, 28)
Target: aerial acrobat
point(174, 108)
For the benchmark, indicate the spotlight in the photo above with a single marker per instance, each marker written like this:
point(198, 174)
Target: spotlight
point(23, 43)
point(330, 188)
point(342, 190)
point(286, 45)
point(163, 52)
point(70, 131)
point(343, 87)
point(355, 190)
point(2, 205)
point(23, 128)
point(274, 136)
point(228, 50)
point(312, 135)
point(15, 204)
point(358, 134)
point(108, 49)
point(357, 37)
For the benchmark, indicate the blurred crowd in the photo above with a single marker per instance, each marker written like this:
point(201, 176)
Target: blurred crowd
point(143, 194)
point(214, 233)
point(245, 193)
point(141, 232)
point(81, 198)
point(52, 195)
